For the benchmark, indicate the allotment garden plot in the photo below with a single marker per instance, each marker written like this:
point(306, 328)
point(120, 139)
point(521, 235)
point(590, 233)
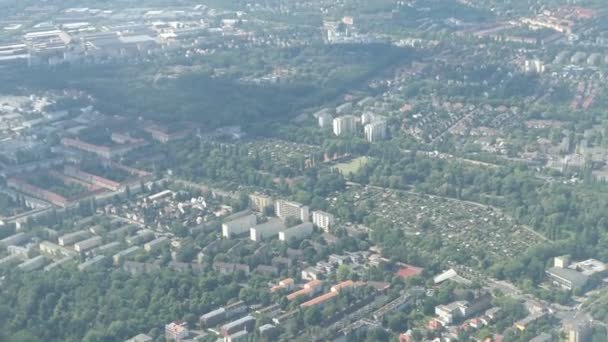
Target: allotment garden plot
point(284, 153)
point(455, 226)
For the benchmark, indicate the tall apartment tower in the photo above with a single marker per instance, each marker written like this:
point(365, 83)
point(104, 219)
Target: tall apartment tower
point(343, 125)
point(375, 131)
point(323, 220)
point(284, 209)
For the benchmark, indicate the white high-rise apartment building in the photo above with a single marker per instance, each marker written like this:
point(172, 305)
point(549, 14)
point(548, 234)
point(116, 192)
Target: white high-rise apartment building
point(375, 131)
point(344, 125)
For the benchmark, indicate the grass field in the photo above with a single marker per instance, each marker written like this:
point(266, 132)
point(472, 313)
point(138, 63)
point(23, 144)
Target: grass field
point(352, 166)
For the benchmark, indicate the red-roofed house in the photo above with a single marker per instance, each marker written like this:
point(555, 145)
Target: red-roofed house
point(434, 324)
point(408, 271)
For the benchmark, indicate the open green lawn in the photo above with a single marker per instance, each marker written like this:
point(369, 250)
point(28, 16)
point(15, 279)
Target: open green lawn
point(352, 166)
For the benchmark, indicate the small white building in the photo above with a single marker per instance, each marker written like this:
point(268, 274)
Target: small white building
point(176, 331)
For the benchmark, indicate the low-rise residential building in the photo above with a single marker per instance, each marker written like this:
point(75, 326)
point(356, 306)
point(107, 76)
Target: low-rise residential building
point(245, 323)
point(165, 135)
point(344, 108)
point(449, 313)
point(72, 238)
point(140, 338)
point(343, 285)
point(52, 249)
point(281, 319)
point(267, 330)
point(458, 310)
point(88, 244)
point(217, 316)
point(118, 257)
point(9, 260)
point(228, 268)
point(297, 232)
point(63, 261)
point(118, 232)
point(324, 298)
point(311, 273)
point(567, 279)
point(589, 267)
point(33, 264)
point(235, 309)
point(398, 304)
point(98, 230)
point(266, 230)
point(212, 318)
point(320, 300)
point(267, 270)
point(239, 225)
point(543, 337)
point(311, 288)
point(22, 251)
point(531, 318)
point(85, 266)
point(107, 152)
point(285, 284)
point(271, 311)
point(13, 240)
point(142, 236)
point(237, 336)
point(107, 248)
point(156, 244)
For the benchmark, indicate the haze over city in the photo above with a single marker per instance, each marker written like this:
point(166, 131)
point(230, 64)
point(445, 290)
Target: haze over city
point(311, 170)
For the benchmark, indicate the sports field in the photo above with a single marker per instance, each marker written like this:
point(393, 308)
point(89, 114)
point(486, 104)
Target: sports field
point(352, 166)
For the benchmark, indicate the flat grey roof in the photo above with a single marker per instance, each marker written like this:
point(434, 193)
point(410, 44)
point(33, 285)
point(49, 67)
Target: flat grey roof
point(576, 278)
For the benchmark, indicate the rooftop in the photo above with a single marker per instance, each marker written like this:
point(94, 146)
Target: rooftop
point(577, 279)
point(589, 267)
point(318, 300)
point(543, 337)
point(342, 285)
point(239, 321)
point(409, 271)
